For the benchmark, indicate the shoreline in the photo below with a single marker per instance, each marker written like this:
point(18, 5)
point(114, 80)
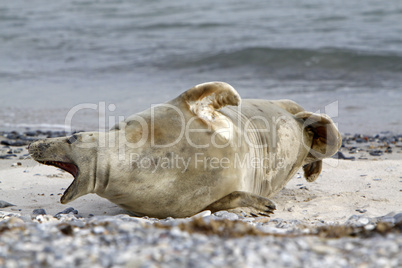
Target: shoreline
point(385, 145)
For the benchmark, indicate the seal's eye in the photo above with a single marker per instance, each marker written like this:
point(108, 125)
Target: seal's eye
point(72, 139)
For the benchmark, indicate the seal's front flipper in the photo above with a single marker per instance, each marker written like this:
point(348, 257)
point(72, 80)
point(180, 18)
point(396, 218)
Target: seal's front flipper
point(253, 205)
point(206, 100)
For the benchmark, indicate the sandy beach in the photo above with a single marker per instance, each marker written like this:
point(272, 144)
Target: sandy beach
point(356, 200)
point(372, 186)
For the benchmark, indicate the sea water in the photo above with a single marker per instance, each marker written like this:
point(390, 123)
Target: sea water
point(341, 57)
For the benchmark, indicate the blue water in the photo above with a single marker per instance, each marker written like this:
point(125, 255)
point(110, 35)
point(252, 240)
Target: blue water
point(342, 57)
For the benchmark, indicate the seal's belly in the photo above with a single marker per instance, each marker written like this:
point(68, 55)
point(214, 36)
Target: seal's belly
point(273, 146)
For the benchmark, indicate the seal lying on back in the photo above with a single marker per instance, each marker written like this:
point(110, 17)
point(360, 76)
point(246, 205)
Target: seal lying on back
point(205, 149)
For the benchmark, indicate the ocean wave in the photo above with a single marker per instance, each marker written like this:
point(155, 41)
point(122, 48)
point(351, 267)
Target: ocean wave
point(36, 126)
point(298, 60)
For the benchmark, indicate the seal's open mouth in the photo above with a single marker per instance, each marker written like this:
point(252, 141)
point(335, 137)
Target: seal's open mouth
point(69, 167)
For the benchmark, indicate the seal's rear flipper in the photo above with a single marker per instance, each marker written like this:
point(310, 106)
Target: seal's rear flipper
point(312, 170)
point(255, 205)
point(326, 141)
point(326, 138)
point(205, 100)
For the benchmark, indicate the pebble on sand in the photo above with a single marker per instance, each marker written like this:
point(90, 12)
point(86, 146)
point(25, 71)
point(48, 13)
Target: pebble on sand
point(4, 204)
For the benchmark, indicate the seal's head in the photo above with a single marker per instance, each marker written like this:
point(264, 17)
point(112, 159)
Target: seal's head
point(75, 154)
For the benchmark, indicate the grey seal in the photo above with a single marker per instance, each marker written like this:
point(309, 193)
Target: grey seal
point(205, 149)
